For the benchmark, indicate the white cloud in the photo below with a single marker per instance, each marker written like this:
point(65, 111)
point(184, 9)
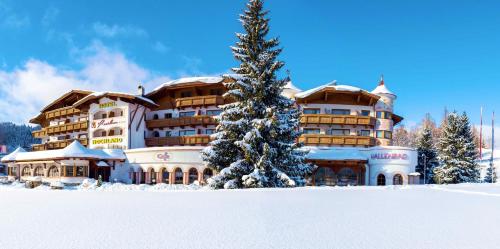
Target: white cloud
point(114, 30)
point(25, 90)
point(160, 47)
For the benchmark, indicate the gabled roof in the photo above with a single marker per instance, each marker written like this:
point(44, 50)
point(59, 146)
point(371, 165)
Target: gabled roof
point(133, 98)
point(74, 150)
point(334, 88)
point(64, 96)
point(187, 81)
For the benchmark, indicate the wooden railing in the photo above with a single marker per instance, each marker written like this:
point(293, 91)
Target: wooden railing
point(39, 134)
point(60, 144)
point(331, 119)
point(65, 128)
point(62, 112)
point(199, 101)
point(183, 121)
point(332, 140)
point(181, 140)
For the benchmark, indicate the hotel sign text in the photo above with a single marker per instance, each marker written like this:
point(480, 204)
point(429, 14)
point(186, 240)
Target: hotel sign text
point(390, 156)
point(107, 141)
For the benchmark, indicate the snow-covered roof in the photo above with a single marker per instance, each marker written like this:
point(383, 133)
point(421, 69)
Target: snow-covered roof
point(382, 89)
point(333, 86)
point(74, 150)
point(334, 153)
point(291, 86)
point(12, 156)
point(143, 100)
point(205, 80)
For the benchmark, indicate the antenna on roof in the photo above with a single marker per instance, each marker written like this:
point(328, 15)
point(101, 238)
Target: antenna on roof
point(381, 82)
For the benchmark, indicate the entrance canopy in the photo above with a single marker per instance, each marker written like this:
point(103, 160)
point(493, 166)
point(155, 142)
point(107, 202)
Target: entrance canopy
point(74, 150)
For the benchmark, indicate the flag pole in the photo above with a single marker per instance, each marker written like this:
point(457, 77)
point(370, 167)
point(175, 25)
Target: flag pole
point(492, 144)
point(481, 136)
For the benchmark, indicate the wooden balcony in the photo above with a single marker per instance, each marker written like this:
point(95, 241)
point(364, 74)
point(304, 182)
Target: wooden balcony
point(332, 119)
point(67, 128)
point(39, 134)
point(332, 140)
point(183, 121)
point(62, 112)
point(60, 144)
point(181, 140)
point(199, 101)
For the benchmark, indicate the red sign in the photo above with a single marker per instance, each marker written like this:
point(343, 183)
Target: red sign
point(389, 156)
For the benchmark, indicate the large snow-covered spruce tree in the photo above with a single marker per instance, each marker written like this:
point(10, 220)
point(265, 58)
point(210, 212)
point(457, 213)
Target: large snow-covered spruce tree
point(427, 155)
point(457, 152)
point(255, 143)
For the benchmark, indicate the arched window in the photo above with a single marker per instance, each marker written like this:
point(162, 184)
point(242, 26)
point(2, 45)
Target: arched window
point(165, 176)
point(39, 171)
point(207, 173)
point(100, 115)
point(380, 180)
point(347, 177)
point(26, 171)
point(325, 177)
point(193, 175)
point(53, 172)
point(156, 134)
point(152, 176)
point(155, 116)
point(115, 131)
point(179, 176)
point(115, 113)
point(99, 133)
point(397, 179)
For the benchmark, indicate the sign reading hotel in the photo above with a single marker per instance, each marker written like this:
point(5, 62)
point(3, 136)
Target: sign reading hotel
point(389, 156)
point(115, 140)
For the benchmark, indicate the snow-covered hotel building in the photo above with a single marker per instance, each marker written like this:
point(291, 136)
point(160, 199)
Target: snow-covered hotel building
point(157, 137)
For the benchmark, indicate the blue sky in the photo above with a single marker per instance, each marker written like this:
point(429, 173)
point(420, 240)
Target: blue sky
point(433, 54)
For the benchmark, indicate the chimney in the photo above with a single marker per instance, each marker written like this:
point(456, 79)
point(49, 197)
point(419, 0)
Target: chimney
point(140, 90)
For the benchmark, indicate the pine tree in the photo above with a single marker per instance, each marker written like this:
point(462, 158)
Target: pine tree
point(457, 152)
point(491, 173)
point(427, 155)
point(255, 141)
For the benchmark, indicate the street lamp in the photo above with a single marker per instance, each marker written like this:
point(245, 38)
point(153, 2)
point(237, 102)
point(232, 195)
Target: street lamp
point(425, 168)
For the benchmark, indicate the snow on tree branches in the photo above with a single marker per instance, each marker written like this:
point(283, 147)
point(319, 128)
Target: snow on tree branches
point(255, 142)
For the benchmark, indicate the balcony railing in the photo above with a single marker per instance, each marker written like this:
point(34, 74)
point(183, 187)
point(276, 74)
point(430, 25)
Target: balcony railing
point(60, 144)
point(66, 128)
point(62, 112)
point(183, 121)
point(181, 140)
point(332, 140)
point(333, 119)
point(39, 134)
point(199, 101)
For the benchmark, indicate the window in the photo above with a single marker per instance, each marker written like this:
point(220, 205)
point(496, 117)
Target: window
point(209, 131)
point(347, 177)
point(152, 176)
point(380, 134)
point(397, 180)
point(168, 133)
point(341, 112)
point(26, 171)
point(186, 94)
point(207, 173)
point(179, 176)
point(310, 131)
point(155, 116)
point(213, 112)
point(39, 171)
point(165, 176)
point(340, 132)
point(365, 113)
point(187, 133)
point(81, 171)
point(193, 175)
point(216, 91)
point(388, 135)
point(380, 180)
point(12, 171)
point(325, 177)
point(168, 115)
point(384, 115)
point(186, 114)
point(69, 170)
point(365, 133)
point(53, 171)
point(310, 111)
point(156, 134)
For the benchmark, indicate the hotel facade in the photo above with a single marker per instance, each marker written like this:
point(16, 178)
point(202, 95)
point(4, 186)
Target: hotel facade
point(157, 137)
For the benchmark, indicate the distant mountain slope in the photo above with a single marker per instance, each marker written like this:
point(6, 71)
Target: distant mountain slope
point(14, 135)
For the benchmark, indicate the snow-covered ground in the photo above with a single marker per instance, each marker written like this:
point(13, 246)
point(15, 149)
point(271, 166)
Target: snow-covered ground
point(129, 216)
